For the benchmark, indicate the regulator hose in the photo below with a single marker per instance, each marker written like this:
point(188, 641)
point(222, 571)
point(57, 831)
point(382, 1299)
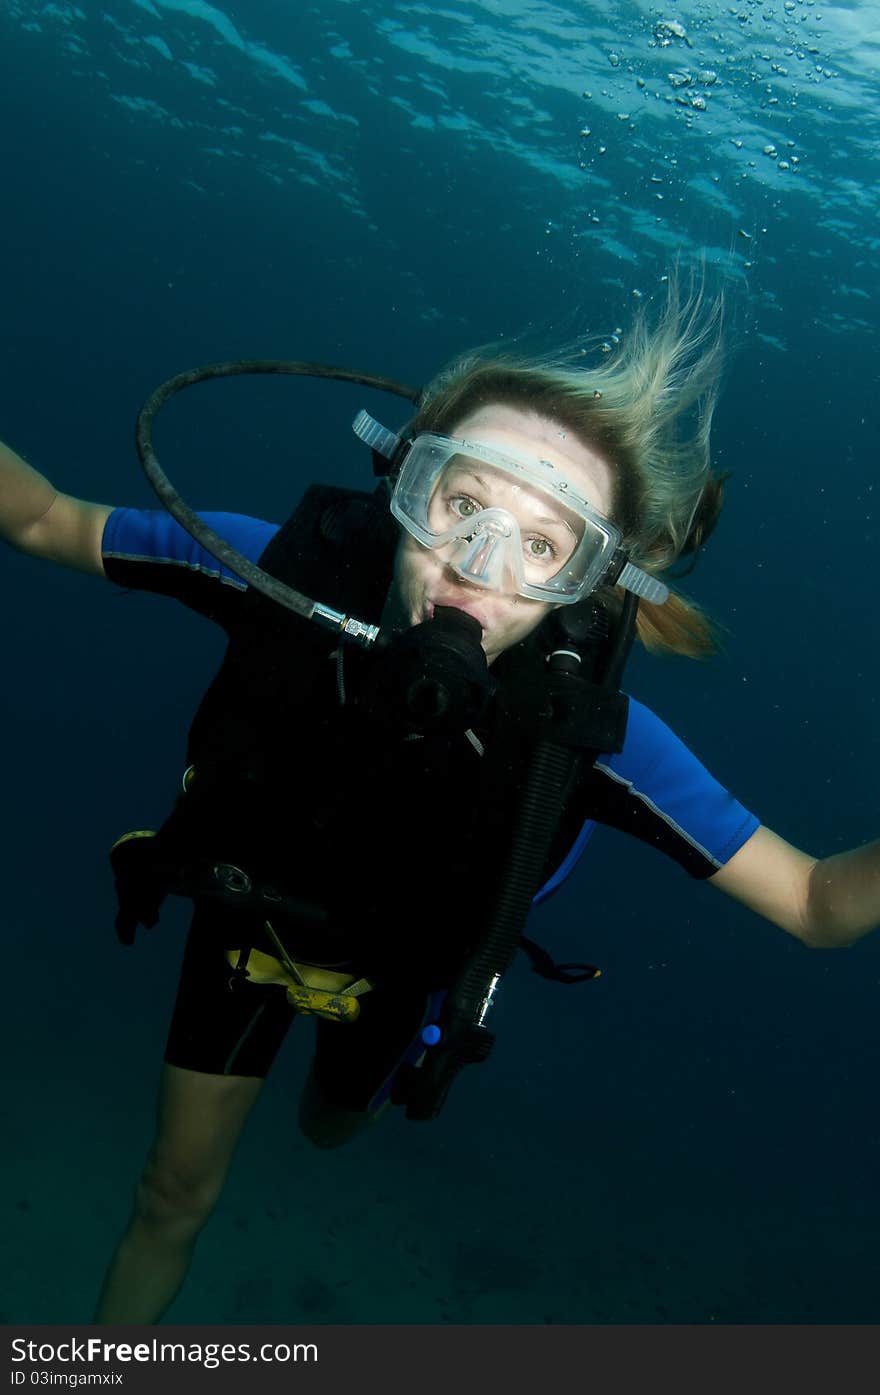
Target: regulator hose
point(191, 523)
point(464, 1038)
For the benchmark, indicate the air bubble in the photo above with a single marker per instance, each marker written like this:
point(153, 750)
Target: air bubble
point(668, 29)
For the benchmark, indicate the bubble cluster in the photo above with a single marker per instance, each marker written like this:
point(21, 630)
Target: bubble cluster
point(668, 30)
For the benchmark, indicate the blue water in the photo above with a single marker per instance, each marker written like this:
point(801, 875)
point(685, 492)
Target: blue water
point(693, 1138)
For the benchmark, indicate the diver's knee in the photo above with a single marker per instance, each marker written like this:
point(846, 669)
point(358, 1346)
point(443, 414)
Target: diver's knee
point(332, 1127)
point(335, 1130)
point(326, 1125)
point(170, 1196)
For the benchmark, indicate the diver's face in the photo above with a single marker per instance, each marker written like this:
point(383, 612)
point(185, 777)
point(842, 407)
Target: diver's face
point(424, 578)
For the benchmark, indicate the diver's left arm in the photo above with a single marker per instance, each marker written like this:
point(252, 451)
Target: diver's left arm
point(829, 902)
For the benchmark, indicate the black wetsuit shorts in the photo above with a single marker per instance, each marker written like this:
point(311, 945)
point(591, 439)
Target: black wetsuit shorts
point(223, 1025)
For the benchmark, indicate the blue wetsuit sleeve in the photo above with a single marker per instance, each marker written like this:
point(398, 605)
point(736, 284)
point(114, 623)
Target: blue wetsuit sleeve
point(662, 793)
point(147, 550)
point(657, 790)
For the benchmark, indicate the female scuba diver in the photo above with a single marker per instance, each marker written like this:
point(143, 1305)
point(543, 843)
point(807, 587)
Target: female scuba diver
point(523, 493)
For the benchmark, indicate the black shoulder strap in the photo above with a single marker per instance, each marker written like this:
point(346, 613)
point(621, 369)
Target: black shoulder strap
point(337, 547)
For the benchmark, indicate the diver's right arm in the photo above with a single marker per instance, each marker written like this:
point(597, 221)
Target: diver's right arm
point(36, 518)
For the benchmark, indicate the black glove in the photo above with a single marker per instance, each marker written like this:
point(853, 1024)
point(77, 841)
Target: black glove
point(141, 883)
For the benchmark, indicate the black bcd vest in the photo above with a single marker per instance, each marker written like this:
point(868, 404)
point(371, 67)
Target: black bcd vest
point(394, 839)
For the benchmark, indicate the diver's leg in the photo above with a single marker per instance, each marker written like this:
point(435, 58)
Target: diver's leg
point(200, 1119)
point(223, 1037)
point(348, 1087)
point(325, 1123)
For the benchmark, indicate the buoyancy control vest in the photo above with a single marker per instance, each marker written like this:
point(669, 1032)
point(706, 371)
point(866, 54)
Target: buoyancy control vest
point(378, 848)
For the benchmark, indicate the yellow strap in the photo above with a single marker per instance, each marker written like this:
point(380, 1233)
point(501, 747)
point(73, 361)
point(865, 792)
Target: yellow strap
point(310, 989)
point(336, 1007)
point(312, 975)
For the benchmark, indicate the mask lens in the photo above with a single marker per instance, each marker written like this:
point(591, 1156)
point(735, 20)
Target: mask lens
point(556, 546)
point(544, 535)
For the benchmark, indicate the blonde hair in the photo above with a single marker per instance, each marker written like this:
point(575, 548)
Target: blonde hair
point(647, 407)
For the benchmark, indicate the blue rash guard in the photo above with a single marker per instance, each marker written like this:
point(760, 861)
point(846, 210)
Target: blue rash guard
point(655, 789)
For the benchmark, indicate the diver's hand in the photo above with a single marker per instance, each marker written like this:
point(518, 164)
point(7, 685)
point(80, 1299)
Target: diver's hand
point(128, 920)
point(140, 884)
point(126, 928)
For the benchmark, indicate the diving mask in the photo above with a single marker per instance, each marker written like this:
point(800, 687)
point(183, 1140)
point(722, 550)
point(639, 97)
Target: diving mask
point(508, 521)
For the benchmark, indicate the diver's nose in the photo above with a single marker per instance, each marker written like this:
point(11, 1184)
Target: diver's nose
point(482, 558)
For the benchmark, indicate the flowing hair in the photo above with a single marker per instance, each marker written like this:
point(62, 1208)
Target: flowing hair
point(647, 407)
